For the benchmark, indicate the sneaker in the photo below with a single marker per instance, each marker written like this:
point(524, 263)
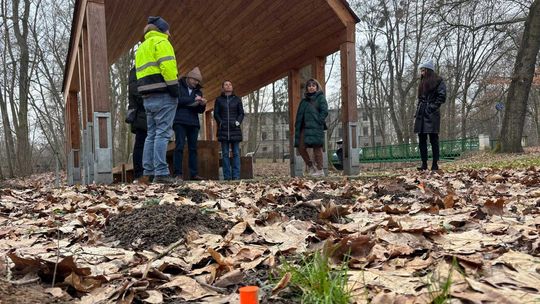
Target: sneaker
point(309, 171)
point(164, 179)
point(197, 178)
point(318, 173)
point(178, 179)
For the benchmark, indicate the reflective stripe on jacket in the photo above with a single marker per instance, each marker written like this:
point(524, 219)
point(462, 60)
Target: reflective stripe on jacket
point(156, 65)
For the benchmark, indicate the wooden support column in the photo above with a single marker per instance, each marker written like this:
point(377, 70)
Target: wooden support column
point(317, 71)
point(74, 139)
point(209, 132)
point(86, 110)
point(349, 106)
point(97, 92)
point(296, 163)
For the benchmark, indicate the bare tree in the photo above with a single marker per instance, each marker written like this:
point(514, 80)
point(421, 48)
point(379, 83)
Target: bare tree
point(21, 20)
point(49, 48)
point(119, 81)
point(520, 86)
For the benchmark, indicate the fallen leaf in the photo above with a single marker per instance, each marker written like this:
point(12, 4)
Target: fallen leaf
point(334, 212)
point(493, 178)
point(190, 290)
point(231, 278)
point(448, 201)
point(357, 247)
point(284, 282)
point(84, 284)
point(56, 292)
point(220, 259)
point(154, 297)
point(495, 207)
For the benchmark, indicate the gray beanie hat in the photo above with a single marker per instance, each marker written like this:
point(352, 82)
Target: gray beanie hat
point(427, 65)
point(159, 22)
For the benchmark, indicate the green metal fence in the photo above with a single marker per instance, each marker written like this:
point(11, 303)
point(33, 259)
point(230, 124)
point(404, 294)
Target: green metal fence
point(449, 149)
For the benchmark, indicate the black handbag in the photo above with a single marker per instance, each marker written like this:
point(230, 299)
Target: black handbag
point(131, 116)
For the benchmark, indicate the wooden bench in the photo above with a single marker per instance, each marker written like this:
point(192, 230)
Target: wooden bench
point(208, 162)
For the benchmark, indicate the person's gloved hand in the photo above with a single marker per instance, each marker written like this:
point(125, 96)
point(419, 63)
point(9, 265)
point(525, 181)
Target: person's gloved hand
point(236, 123)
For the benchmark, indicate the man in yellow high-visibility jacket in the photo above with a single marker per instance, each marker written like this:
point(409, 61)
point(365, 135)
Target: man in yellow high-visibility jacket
point(157, 82)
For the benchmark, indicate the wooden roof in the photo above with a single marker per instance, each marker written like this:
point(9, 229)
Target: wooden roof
point(250, 42)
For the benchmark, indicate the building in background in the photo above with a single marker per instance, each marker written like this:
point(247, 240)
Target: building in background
point(274, 141)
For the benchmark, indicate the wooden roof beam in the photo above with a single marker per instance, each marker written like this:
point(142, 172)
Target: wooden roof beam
point(343, 11)
point(74, 42)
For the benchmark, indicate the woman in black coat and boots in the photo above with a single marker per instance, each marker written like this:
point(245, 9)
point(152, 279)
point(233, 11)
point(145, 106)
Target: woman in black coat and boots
point(431, 95)
point(136, 117)
point(229, 113)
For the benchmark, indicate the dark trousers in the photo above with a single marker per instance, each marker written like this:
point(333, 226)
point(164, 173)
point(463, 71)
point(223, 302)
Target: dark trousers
point(422, 144)
point(181, 132)
point(138, 148)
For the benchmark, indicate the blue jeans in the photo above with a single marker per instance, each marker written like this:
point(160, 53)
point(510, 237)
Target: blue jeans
point(226, 146)
point(160, 111)
point(192, 133)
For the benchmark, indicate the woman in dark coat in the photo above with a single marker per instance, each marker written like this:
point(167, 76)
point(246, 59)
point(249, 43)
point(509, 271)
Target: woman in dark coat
point(431, 95)
point(309, 127)
point(137, 119)
point(229, 113)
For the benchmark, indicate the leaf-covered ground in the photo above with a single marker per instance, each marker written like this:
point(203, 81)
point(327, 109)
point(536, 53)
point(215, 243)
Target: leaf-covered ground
point(402, 237)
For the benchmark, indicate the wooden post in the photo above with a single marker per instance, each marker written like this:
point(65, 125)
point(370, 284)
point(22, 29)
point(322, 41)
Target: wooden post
point(208, 120)
point(86, 110)
point(296, 163)
point(74, 139)
point(349, 106)
point(98, 73)
point(317, 71)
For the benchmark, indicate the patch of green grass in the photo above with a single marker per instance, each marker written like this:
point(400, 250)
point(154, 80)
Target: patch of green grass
point(439, 287)
point(496, 161)
point(151, 202)
point(317, 281)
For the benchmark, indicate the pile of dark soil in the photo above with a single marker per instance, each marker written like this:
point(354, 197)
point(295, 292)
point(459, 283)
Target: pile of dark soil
point(327, 197)
point(196, 196)
point(161, 224)
point(301, 212)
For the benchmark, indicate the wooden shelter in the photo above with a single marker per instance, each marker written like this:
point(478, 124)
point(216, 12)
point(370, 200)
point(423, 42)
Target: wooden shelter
point(251, 42)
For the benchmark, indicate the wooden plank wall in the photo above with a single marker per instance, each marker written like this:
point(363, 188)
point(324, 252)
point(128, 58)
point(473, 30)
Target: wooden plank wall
point(91, 82)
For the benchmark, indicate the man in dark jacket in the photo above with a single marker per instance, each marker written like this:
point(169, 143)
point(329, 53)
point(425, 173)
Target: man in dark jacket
point(137, 119)
point(186, 122)
point(229, 113)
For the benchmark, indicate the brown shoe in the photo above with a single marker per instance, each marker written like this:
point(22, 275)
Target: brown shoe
point(145, 180)
point(197, 178)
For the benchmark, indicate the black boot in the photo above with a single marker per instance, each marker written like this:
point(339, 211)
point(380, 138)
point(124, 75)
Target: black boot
point(434, 166)
point(423, 167)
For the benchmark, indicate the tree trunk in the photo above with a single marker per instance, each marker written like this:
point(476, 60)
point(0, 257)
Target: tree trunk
point(518, 92)
point(24, 151)
point(123, 67)
point(8, 136)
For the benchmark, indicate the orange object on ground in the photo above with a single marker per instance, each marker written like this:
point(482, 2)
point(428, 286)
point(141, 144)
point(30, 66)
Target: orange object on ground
point(249, 295)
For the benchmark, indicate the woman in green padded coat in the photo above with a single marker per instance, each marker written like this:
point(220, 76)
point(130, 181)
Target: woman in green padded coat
point(309, 127)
